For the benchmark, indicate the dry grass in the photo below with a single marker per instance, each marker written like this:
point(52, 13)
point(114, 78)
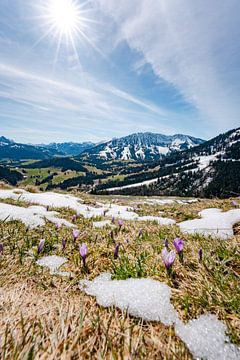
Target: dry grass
point(47, 317)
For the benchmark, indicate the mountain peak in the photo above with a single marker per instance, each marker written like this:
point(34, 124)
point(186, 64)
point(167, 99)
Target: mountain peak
point(141, 146)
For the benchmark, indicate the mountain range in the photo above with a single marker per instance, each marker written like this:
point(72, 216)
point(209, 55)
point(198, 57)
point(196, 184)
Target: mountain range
point(138, 164)
point(210, 169)
point(140, 147)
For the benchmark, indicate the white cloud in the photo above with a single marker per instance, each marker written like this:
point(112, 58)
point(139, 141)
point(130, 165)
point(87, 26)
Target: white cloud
point(194, 45)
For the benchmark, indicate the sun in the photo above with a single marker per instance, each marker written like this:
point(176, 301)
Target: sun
point(64, 17)
point(68, 23)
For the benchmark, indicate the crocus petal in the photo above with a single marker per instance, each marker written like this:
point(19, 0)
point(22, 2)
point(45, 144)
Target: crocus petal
point(179, 245)
point(76, 234)
point(41, 245)
point(83, 250)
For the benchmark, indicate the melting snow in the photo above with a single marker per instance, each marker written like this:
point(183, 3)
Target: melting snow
point(150, 300)
point(53, 263)
point(214, 222)
point(32, 216)
point(206, 339)
point(145, 298)
point(68, 201)
point(101, 224)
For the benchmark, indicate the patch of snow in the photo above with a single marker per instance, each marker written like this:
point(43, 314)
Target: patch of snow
point(126, 154)
point(206, 339)
point(150, 300)
point(163, 150)
point(213, 223)
point(140, 153)
point(145, 298)
point(204, 161)
point(147, 182)
point(107, 151)
point(32, 216)
point(53, 263)
point(101, 224)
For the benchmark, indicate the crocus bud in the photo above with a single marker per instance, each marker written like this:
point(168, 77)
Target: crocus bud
point(40, 246)
point(113, 220)
point(168, 258)
point(83, 250)
point(116, 251)
point(120, 223)
point(74, 218)
point(200, 255)
point(1, 248)
point(75, 234)
point(63, 243)
point(112, 234)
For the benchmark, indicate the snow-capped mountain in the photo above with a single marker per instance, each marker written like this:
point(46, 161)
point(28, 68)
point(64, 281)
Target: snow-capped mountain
point(210, 169)
point(69, 148)
point(4, 141)
point(141, 146)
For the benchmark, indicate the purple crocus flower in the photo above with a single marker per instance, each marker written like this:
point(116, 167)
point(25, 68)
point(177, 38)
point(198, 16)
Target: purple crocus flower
point(200, 255)
point(179, 245)
point(234, 203)
point(1, 248)
point(75, 234)
point(120, 223)
point(83, 250)
point(116, 251)
point(168, 258)
point(40, 245)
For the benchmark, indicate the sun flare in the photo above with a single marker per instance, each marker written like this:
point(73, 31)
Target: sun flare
point(64, 16)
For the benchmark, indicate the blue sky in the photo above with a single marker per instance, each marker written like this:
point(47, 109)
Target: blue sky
point(166, 66)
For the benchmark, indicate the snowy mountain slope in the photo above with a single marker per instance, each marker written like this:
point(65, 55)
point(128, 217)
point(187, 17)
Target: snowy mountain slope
point(210, 169)
point(141, 146)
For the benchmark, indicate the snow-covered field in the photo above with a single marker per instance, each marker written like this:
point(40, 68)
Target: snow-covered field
point(213, 223)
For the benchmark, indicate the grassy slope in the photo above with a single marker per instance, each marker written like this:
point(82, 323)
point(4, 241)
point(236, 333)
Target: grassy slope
point(47, 317)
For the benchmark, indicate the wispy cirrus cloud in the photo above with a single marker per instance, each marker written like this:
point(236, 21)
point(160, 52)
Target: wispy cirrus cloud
point(88, 109)
point(193, 45)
